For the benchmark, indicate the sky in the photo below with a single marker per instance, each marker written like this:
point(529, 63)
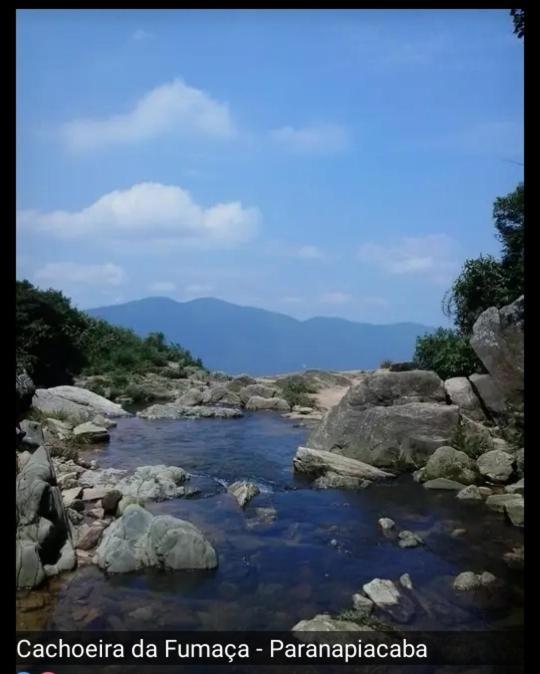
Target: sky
point(312, 162)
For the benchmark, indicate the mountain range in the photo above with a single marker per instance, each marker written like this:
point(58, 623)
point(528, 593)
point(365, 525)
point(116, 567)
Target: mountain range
point(239, 339)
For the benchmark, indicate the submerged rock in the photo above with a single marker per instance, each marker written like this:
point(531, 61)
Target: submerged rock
point(387, 524)
point(386, 596)
point(334, 481)
point(243, 492)
point(408, 539)
point(138, 539)
point(468, 580)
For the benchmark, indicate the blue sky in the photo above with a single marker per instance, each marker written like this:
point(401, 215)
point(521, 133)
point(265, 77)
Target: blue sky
point(339, 163)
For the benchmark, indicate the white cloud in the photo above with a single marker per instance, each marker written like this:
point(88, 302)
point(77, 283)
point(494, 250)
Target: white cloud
point(310, 253)
point(150, 211)
point(140, 34)
point(317, 139)
point(335, 298)
point(163, 287)
point(172, 107)
point(431, 255)
point(71, 273)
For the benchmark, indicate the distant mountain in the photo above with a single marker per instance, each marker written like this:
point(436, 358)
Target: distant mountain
point(245, 339)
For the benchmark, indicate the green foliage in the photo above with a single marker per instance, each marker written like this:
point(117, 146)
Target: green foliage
point(297, 392)
point(385, 364)
point(49, 329)
point(446, 352)
point(56, 342)
point(473, 444)
point(509, 216)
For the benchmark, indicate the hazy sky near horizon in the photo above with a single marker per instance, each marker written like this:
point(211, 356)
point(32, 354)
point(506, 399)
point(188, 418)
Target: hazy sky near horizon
point(312, 162)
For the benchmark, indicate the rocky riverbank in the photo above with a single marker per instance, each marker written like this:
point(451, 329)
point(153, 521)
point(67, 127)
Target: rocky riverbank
point(460, 436)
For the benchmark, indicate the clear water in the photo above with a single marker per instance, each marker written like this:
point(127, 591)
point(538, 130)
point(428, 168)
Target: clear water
point(322, 547)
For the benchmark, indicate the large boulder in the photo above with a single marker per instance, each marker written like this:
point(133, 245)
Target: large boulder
point(498, 341)
point(374, 424)
point(488, 392)
point(90, 433)
point(259, 403)
point(193, 396)
point(261, 390)
point(496, 465)
point(220, 394)
point(450, 463)
point(138, 540)
point(74, 403)
point(240, 382)
point(33, 434)
point(316, 463)
point(153, 483)
point(461, 393)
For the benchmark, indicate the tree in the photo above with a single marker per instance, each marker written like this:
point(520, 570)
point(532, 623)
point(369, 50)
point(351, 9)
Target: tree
point(447, 353)
point(509, 216)
point(518, 17)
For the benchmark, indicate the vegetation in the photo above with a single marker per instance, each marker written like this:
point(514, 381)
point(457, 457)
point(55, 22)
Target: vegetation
point(296, 391)
point(518, 17)
point(56, 342)
point(472, 444)
point(385, 364)
point(482, 283)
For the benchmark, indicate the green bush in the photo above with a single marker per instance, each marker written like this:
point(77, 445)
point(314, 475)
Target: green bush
point(296, 392)
point(385, 364)
point(447, 353)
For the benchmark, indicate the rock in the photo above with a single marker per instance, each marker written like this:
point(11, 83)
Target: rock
point(317, 462)
point(461, 393)
point(110, 501)
point(240, 382)
point(516, 488)
point(443, 483)
point(70, 495)
point(496, 465)
point(153, 483)
point(406, 581)
point(75, 403)
point(498, 502)
point(515, 512)
point(190, 398)
point(259, 390)
point(301, 410)
point(408, 539)
point(137, 540)
point(33, 434)
point(456, 533)
point(259, 403)
point(89, 432)
point(470, 493)
point(451, 464)
point(520, 462)
point(515, 558)
point(387, 524)
point(334, 481)
point(29, 568)
point(74, 516)
point(325, 623)
point(487, 391)
point(143, 614)
point(386, 596)
point(25, 389)
point(243, 492)
point(90, 538)
point(173, 411)
point(263, 516)
point(94, 494)
point(468, 580)
point(66, 562)
point(97, 513)
point(498, 341)
point(362, 605)
point(22, 459)
point(104, 477)
point(389, 419)
point(222, 395)
point(100, 420)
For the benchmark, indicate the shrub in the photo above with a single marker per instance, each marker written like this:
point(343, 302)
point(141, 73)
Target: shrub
point(297, 392)
point(446, 352)
point(385, 364)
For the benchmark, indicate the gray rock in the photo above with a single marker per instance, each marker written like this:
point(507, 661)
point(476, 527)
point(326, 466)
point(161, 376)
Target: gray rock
point(137, 540)
point(317, 462)
point(259, 390)
point(386, 596)
point(387, 524)
point(451, 464)
point(498, 502)
point(243, 492)
point(388, 420)
point(190, 398)
point(362, 605)
point(70, 495)
point(173, 411)
point(94, 493)
point(468, 580)
point(408, 539)
point(515, 512)
point(29, 569)
point(334, 481)
point(491, 397)
point(90, 537)
point(498, 341)
point(516, 488)
point(496, 465)
point(461, 393)
point(66, 562)
point(104, 422)
point(520, 462)
point(25, 389)
point(325, 623)
point(220, 394)
point(240, 382)
point(89, 432)
point(33, 433)
point(470, 493)
point(259, 403)
point(75, 403)
point(153, 483)
point(405, 581)
point(443, 483)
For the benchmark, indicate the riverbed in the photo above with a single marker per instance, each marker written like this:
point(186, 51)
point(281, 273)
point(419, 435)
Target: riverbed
point(306, 553)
